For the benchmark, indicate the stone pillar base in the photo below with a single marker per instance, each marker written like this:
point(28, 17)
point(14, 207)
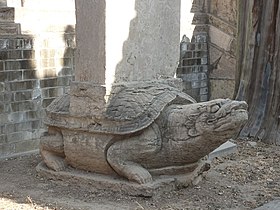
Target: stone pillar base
point(86, 99)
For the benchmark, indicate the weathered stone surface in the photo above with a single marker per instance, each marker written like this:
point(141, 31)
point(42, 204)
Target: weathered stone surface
point(225, 68)
point(7, 14)
point(198, 6)
point(152, 45)
point(167, 135)
point(220, 38)
point(94, 99)
point(145, 131)
point(9, 28)
point(113, 183)
point(225, 10)
point(90, 52)
point(222, 88)
point(222, 25)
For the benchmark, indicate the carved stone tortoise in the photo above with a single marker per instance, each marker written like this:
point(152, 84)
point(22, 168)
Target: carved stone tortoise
point(145, 129)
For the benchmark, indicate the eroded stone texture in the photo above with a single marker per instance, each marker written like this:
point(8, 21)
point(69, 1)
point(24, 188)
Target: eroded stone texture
point(90, 52)
point(87, 93)
point(222, 32)
point(151, 50)
point(146, 130)
point(93, 99)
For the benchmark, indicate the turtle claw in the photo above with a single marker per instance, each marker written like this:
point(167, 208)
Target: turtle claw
point(139, 175)
point(53, 161)
point(133, 172)
point(57, 164)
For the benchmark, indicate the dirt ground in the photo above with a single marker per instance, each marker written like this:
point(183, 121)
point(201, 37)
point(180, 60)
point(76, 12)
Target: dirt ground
point(244, 180)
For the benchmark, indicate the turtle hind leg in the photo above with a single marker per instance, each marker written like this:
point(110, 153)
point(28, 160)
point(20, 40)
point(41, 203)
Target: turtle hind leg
point(52, 150)
point(132, 156)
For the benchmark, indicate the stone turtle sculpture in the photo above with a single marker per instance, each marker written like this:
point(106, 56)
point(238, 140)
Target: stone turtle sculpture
point(144, 130)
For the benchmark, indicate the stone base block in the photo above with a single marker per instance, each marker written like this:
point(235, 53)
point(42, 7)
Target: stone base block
point(116, 184)
point(86, 99)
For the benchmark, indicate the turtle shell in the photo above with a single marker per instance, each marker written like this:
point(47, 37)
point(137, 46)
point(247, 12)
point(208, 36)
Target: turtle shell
point(130, 108)
point(134, 107)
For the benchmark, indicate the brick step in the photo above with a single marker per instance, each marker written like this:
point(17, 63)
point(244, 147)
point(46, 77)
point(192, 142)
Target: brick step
point(9, 28)
point(7, 14)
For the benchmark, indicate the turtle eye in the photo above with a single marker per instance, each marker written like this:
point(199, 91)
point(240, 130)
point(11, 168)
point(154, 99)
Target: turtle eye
point(215, 108)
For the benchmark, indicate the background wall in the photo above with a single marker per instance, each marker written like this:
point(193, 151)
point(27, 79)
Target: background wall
point(222, 46)
point(219, 20)
point(36, 65)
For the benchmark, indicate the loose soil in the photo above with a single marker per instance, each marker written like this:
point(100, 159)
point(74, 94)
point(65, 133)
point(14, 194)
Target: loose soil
point(244, 180)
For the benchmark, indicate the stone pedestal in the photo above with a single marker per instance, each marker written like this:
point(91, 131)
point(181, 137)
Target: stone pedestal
point(113, 183)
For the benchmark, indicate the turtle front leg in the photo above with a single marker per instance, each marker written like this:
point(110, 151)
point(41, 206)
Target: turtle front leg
point(131, 170)
point(129, 157)
point(52, 149)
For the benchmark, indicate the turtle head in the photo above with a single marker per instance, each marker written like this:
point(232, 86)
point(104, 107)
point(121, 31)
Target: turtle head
point(199, 128)
point(218, 117)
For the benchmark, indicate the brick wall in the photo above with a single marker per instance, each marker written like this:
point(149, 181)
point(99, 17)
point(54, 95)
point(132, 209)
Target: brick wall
point(36, 66)
point(193, 67)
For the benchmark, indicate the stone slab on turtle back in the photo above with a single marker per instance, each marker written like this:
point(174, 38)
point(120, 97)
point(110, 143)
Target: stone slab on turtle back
point(148, 135)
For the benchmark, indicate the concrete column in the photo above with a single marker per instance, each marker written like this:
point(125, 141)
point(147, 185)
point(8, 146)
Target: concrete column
point(90, 39)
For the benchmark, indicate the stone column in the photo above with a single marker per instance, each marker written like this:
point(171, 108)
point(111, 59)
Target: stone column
point(87, 93)
point(90, 39)
point(151, 50)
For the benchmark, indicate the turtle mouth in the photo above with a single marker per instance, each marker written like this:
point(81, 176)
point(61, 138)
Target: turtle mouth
point(230, 114)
